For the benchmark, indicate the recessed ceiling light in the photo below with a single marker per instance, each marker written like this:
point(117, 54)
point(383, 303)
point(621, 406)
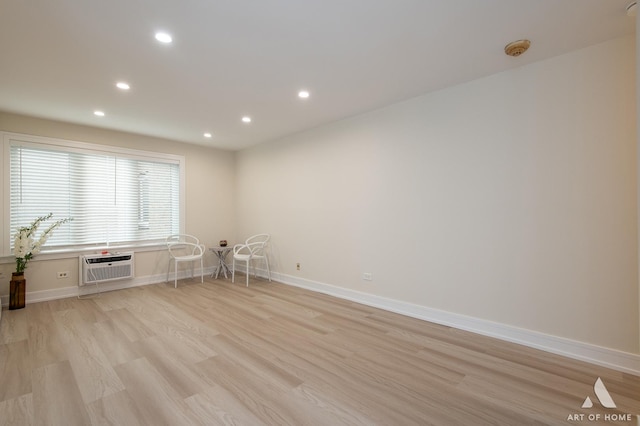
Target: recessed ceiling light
point(246, 119)
point(98, 113)
point(303, 94)
point(122, 85)
point(208, 135)
point(163, 37)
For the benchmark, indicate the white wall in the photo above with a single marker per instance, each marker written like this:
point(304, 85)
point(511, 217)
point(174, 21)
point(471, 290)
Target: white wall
point(637, 56)
point(510, 199)
point(209, 198)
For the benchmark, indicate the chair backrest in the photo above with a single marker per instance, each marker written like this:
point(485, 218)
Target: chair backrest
point(258, 238)
point(257, 248)
point(254, 246)
point(184, 245)
point(182, 238)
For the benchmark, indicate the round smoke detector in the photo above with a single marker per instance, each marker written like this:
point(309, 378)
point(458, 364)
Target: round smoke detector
point(517, 48)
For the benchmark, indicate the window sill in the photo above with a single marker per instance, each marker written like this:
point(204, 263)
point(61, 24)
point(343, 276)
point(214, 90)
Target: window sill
point(76, 252)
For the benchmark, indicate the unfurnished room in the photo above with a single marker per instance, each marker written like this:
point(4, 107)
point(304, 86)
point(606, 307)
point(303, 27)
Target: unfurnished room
point(361, 212)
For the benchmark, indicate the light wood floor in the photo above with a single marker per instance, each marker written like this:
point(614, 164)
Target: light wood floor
point(217, 353)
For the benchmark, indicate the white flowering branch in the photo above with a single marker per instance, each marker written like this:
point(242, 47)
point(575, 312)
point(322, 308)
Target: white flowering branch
point(26, 246)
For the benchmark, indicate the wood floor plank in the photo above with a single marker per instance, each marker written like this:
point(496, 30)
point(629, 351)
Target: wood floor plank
point(265, 399)
point(162, 317)
point(114, 300)
point(57, 399)
point(15, 369)
point(129, 325)
point(337, 410)
point(527, 396)
point(252, 361)
point(115, 409)
point(112, 342)
point(272, 354)
point(154, 397)
point(17, 411)
point(281, 306)
point(176, 365)
point(217, 406)
point(13, 326)
point(85, 310)
point(45, 345)
point(93, 372)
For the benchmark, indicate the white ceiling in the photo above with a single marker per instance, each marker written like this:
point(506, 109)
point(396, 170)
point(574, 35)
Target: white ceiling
point(60, 59)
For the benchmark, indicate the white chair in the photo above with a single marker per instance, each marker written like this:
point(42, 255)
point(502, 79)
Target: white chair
point(184, 248)
point(254, 248)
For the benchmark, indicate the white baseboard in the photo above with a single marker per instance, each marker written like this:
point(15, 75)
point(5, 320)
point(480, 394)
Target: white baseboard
point(621, 361)
point(606, 357)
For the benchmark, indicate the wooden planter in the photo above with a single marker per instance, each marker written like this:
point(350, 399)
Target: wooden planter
point(17, 290)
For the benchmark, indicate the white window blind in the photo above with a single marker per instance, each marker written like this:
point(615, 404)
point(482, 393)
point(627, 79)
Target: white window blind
point(113, 198)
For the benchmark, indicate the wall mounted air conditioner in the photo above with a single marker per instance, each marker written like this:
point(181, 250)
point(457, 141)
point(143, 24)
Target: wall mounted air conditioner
point(97, 268)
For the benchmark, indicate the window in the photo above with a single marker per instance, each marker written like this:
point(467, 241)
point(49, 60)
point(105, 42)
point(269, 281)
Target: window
point(115, 196)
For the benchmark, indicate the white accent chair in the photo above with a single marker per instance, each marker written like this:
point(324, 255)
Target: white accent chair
point(184, 248)
point(254, 248)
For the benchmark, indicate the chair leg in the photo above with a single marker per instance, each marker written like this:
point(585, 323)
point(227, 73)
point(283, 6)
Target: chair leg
point(233, 270)
point(175, 276)
point(248, 273)
point(168, 270)
point(266, 260)
point(201, 272)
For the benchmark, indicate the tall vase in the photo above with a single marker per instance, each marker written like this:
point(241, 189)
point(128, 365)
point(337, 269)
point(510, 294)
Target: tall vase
point(17, 290)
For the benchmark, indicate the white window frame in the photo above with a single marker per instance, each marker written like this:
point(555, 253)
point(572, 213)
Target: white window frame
point(9, 139)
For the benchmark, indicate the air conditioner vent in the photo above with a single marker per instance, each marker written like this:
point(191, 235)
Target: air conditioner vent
point(101, 268)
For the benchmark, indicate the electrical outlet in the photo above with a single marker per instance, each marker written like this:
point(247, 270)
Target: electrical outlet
point(298, 266)
point(64, 274)
point(367, 276)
